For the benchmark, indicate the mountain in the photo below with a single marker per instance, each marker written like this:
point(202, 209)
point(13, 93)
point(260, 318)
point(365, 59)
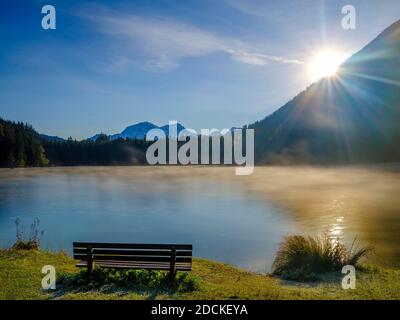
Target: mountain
point(137, 131)
point(352, 117)
point(179, 128)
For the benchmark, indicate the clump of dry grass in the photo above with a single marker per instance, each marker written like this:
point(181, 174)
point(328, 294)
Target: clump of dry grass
point(304, 257)
point(33, 241)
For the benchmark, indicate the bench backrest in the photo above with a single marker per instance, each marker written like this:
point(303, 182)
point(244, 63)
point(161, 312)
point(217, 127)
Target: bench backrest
point(133, 252)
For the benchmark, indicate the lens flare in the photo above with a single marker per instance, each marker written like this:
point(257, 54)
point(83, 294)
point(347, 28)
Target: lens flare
point(325, 63)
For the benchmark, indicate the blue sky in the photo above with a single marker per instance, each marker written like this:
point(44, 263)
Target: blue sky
point(207, 64)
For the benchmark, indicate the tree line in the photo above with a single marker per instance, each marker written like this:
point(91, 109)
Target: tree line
point(103, 152)
point(22, 146)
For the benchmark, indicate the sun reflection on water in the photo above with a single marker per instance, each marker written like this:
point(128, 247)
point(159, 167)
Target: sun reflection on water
point(336, 230)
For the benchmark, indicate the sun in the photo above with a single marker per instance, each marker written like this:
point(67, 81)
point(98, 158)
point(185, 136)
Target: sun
point(325, 63)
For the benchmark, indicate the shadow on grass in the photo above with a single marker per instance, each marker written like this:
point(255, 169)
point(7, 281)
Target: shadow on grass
point(312, 280)
point(143, 282)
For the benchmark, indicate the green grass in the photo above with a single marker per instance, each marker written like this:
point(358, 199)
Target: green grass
point(139, 281)
point(20, 278)
point(307, 257)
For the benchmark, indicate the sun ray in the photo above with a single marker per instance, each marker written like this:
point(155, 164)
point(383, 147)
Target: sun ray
point(325, 63)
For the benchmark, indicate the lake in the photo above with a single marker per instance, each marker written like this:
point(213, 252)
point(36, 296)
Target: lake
point(235, 219)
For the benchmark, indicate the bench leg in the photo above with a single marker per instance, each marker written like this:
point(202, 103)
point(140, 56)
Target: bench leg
point(172, 268)
point(89, 260)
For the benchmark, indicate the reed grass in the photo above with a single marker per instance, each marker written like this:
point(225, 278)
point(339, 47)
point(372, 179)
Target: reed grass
point(305, 257)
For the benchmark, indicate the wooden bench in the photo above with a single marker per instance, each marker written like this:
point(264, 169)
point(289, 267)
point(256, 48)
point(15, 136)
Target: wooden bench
point(169, 257)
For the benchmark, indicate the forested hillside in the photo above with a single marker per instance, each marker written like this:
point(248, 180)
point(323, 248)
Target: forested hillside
point(352, 117)
point(20, 146)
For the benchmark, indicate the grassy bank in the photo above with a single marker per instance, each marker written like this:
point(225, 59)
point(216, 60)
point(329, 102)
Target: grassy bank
point(20, 278)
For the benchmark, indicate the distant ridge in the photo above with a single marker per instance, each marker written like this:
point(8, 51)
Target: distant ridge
point(51, 138)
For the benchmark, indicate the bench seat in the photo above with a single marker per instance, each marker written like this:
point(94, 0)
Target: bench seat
point(169, 257)
point(136, 265)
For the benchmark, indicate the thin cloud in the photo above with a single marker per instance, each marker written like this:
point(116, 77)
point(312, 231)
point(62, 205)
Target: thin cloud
point(259, 59)
point(160, 44)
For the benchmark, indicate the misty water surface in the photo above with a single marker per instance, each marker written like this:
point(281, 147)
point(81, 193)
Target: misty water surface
point(238, 220)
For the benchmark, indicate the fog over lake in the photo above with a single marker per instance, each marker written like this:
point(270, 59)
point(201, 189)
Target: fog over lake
point(234, 219)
